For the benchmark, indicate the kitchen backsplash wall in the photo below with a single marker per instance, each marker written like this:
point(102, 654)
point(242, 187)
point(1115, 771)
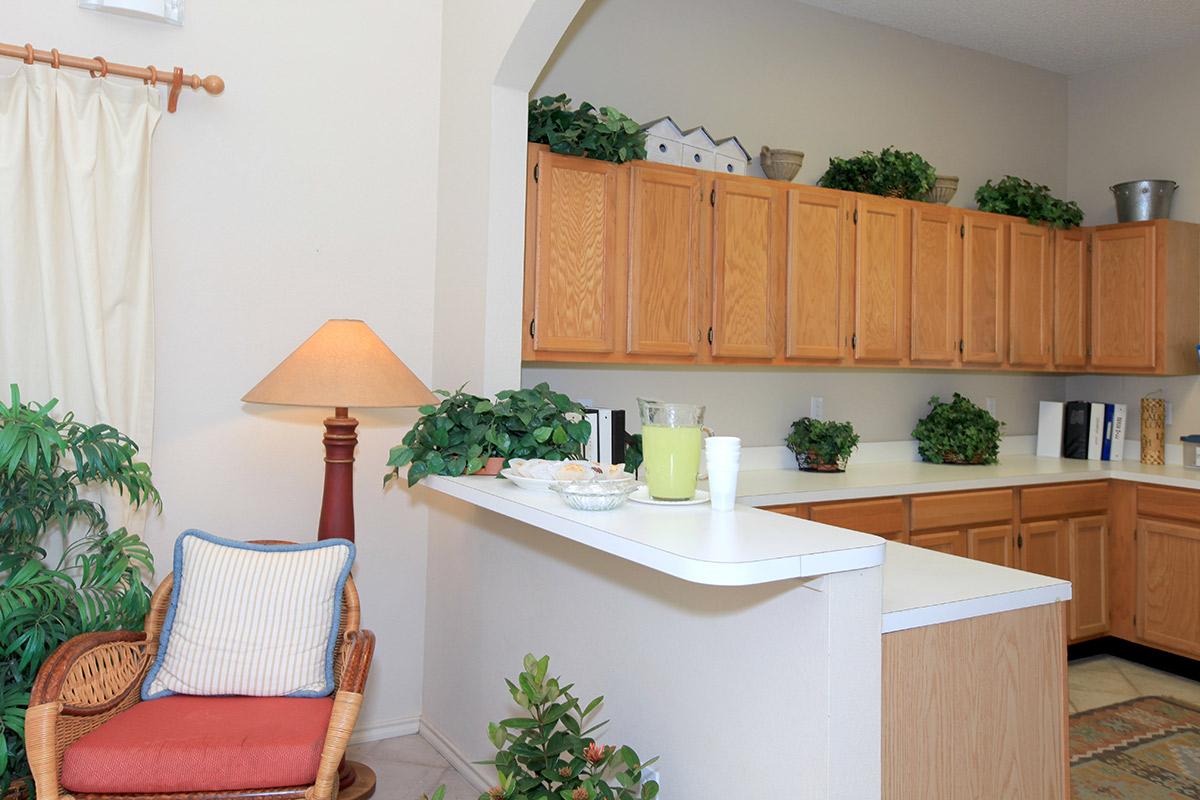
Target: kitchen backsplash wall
point(1183, 393)
point(759, 404)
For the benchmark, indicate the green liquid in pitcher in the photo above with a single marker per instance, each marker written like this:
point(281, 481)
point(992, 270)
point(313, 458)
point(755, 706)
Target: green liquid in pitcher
point(672, 459)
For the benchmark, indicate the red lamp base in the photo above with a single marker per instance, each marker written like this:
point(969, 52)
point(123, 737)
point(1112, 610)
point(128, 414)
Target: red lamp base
point(337, 502)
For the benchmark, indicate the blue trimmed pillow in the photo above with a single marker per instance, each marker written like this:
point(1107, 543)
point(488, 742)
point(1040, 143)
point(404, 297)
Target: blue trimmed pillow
point(251, 619)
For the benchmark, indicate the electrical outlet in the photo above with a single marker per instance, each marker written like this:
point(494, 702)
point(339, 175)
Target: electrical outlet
point(1169, 415)
point(816, 408)
point(651, 774)
point(991, 406)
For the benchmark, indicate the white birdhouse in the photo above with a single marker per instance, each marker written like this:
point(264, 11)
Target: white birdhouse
point(699, 149)
point(664, 141)
point(730, 157)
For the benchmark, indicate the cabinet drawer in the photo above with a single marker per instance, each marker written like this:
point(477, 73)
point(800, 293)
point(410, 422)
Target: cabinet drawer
point(1164, 503)
point(1064, 501)
point(790, 509)
point(884, 516)
point(961, 509)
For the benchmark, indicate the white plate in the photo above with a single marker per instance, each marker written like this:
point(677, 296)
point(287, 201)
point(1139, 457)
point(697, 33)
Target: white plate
point(642, 495)
point(533, 484)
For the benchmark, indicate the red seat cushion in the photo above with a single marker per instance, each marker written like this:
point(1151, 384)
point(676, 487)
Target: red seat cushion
point(190, 744)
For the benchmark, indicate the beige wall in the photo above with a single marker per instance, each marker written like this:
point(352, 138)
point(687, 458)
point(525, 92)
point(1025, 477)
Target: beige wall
point(307, 191)
point(779, 73)
point(1137, 120)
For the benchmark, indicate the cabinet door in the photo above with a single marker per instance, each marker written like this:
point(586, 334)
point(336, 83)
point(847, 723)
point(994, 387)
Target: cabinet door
point(1087, 561)
point(1070, 298)
point(818, 269)
point(880, 280)
point(1042, 549)
point(1030, 299)
point(1123, 297)
point(576, 258)
point(664, 250)
point(1168, 592)
point(952, 542)
point(983, 289)
point(745, 267)
point(936, 268)
point(992, 544)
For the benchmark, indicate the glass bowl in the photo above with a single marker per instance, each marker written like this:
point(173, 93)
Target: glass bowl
point(595, 495)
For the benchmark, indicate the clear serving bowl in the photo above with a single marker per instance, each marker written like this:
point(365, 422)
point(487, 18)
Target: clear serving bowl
point(598, 495)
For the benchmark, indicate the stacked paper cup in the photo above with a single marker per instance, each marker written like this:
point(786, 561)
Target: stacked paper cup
point(722, 455)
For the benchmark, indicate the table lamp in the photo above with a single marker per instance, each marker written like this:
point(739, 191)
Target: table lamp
point(343, 364)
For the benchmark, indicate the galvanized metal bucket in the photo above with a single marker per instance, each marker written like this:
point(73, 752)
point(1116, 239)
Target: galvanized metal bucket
point(1142, 200)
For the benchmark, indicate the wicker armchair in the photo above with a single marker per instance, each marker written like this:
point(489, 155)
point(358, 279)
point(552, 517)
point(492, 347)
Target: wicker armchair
point(92, 678)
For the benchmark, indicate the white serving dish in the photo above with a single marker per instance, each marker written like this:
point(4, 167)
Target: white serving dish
point(642, 495)
point(533, 484)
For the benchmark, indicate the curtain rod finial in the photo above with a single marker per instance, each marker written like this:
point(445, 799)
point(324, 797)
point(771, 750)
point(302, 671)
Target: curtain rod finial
point(213, 84)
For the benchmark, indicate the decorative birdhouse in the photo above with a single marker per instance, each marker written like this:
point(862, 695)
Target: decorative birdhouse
point(699, 149)
point(664, 141)
point(730, 157)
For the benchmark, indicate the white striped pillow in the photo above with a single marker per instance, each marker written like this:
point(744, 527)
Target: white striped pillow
point(251, 619)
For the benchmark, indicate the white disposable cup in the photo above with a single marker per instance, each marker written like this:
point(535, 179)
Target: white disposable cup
point(722, 478)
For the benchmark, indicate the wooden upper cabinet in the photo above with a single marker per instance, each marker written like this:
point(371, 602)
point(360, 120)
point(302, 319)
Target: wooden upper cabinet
point(984, 260)
point(1124, 296)
point(664, 261)
point(819, 266)
point(1168, 605)
point(1070, 298)
point(747, 233)
point(881, 279)
point(1031, 301)
point(936, 273)
point(576, 260)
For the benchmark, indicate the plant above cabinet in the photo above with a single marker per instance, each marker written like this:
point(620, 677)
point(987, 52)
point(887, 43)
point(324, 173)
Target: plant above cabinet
point(604, 134)
point(958, 432)
point(1022, 198)
point(891, 173)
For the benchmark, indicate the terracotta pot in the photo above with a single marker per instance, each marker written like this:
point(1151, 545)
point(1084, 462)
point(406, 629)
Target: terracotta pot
point(492, 466)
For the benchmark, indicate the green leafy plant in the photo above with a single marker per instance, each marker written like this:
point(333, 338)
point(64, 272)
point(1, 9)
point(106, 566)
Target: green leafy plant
point(958, 432)
point(98, 582)
point(539, 423)
point(1022, 198)
point(891, 173)
point(822, 445)
point(603, 133)
point(455, 437)
point(633, 452)
point(550, 750)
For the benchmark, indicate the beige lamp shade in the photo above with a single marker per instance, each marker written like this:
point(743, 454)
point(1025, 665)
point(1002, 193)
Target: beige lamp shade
point(343, 364)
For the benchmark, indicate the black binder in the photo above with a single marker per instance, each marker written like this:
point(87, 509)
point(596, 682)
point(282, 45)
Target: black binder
point(1076, 429)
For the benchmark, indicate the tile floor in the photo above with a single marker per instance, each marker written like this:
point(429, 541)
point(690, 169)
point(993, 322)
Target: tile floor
point(407, 766)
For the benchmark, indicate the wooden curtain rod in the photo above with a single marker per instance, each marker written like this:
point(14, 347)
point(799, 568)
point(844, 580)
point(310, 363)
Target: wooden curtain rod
point(213, 84)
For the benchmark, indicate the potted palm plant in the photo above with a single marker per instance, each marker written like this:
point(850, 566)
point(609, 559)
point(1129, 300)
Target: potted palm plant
point(98, 582)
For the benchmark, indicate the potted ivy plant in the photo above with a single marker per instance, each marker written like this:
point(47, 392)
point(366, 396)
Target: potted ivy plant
point(822, 445)
point(1023, 198)
point(890, 173)
point(451, 438)
point(602, 133)
point(538, 423)
point(958, 432)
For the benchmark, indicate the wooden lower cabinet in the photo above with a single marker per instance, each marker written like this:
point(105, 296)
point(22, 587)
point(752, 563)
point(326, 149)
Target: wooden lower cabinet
point(1041, 549)
point(952, 542)
point(1087, 564)
point(1168, 603)
point(977, 709)
point(993, 544)
point(883, 517)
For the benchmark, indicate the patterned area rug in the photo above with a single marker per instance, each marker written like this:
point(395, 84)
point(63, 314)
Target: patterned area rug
point(1143, 749)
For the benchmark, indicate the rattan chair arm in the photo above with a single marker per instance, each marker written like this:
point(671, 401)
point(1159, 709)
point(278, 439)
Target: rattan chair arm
point(359, 648)
point(118, 660)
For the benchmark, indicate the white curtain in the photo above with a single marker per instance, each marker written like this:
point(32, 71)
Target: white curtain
point(76, 291)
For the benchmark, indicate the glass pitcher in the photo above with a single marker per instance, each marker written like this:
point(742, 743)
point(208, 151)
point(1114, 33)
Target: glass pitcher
point(671, 436)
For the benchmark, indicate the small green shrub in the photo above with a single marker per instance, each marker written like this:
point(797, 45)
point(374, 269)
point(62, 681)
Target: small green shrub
point(822, 445)
point(891, 173)
point(449, 438)
point(1021, 198)
point(958, 432)
point(539, 423)
point(605, 133)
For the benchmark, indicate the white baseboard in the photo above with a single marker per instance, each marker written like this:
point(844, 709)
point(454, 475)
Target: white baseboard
point(385, 729)
point(473, 773)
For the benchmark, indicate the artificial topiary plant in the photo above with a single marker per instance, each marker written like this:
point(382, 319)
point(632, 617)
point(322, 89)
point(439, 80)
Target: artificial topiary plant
point(891, 173)
point(1022, 198)
point(605, 133)
point(958, 432)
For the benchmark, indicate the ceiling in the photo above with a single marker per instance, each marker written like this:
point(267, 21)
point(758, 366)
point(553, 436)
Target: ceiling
point(1066, 36)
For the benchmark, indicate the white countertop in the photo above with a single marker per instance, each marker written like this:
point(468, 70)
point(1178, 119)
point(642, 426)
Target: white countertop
point(781, 486)
point(721, 548)
point(924, 587)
